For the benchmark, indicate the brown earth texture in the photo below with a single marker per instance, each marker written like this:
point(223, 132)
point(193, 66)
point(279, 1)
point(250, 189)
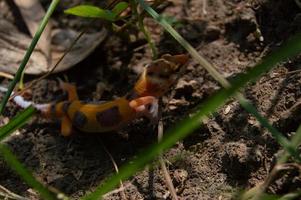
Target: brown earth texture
point(230, 152)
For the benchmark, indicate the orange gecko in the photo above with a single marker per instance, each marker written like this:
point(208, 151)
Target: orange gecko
point(142, 100)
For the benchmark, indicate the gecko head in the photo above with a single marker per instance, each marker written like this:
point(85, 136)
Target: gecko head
point(165, 70)
point(160, 74)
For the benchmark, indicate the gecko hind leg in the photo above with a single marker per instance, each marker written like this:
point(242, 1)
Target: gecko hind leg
point(66, 126)
point(70, 89)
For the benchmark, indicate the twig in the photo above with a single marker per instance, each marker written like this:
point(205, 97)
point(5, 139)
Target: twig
point(276, 169)
point(166, 175)
point(122, 193)
point(7, 194)
point(6, 75)
point(117, 190)
point(257, 191)
point(204, 8)
point(290, 73)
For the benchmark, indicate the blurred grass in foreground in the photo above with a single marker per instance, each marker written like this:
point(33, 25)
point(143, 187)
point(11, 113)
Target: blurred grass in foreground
point(172, 136)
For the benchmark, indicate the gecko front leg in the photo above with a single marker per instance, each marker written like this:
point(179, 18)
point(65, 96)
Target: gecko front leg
point(66, 126)
point(147, 106)
point(66, 123)
point(70, 89)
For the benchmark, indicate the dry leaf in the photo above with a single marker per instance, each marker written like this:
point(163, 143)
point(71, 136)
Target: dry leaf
point(13, 43)
point(33, 13)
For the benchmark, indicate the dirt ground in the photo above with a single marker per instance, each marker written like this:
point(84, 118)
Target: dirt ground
point(230, 152)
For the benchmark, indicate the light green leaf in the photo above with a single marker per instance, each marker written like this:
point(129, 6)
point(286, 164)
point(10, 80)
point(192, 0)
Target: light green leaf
point(92, 12)
point(120, 7)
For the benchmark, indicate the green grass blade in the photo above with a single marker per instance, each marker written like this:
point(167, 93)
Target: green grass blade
point(217, 76)
point(296, 139)
point(13, 162)
point(285, 143)
point(295, 142)
point(292, 48)
point(28, 53)
point(16, 122)
point(120, 7)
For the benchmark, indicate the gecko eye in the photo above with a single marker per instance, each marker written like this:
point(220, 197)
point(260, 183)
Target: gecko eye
point(164, 76)
point(151, 73)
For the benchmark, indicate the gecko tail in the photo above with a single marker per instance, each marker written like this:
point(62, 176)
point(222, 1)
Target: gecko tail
point(20, 101)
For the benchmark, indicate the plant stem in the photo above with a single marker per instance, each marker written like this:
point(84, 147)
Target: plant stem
point(144, 30)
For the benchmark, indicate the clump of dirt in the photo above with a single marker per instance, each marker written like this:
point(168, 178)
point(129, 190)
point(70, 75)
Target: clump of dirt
point(229, 152)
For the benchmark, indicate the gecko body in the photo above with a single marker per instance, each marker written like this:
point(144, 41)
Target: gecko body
point(142, 100)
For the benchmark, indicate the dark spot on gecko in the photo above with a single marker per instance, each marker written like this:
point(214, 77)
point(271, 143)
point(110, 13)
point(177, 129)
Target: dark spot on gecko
point(109, 117)
point(84, 101)
point(92, 102)
point(65, 106)
point(53, 110)
point(131, 95)
point(79, 119)
point(164, 76)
